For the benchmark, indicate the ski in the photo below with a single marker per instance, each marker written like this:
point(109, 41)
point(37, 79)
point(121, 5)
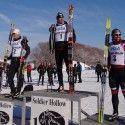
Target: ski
point(52, 37)
point(88, 116)
point(103, 77)
point(70, 50)
point(21, 68)
point(7, 50)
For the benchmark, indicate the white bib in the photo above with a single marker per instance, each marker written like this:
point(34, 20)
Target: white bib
point(61, 33)
point(117, 54)
point(16, 48)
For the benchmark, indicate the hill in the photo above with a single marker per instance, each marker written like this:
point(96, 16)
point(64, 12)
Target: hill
point(83, 53)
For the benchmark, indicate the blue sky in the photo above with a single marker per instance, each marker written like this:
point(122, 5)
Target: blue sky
point(33, 18)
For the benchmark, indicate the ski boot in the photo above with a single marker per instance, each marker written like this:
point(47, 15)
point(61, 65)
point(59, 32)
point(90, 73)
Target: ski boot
point(114, 117)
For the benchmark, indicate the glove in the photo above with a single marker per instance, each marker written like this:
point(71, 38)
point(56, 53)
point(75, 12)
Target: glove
point(52, 28)
point(22, 59)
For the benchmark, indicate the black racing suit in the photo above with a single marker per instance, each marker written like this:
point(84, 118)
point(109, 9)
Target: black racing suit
point(16, 67)
point(61, 54)
point(1, 72)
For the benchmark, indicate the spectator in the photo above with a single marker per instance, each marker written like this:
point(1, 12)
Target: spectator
point(29, 70)
point(41, 70)
point(98, 71)
point(79, 71)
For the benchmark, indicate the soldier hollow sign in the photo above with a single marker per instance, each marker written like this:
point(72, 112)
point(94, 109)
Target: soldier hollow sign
point(50, 111)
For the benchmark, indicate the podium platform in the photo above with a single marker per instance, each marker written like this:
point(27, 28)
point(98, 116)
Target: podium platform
point(76, 97)
point(20, 104)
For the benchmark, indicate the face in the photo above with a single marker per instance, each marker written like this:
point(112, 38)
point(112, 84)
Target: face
point(15, 36)
point(60, 20)
point(117, 37)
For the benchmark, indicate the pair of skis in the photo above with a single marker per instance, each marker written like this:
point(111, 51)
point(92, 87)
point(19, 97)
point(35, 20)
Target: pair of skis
point(70, 50)
point(7, 50)
point(103, 77)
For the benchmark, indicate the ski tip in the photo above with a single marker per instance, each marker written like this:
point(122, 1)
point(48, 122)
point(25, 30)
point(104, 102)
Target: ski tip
point(108, 23)
point(71, 10)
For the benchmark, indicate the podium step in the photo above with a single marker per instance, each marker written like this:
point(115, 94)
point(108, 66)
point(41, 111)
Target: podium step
point(93, 120)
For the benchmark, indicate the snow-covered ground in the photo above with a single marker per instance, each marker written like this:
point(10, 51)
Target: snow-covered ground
point(89, 104)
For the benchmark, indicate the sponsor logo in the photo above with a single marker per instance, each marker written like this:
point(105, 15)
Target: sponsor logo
point(4, 118)
point(61, 28)
point(114, 48)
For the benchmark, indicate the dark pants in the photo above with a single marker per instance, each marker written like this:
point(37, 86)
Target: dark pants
point(50, 79)
point(116, 80)
point(15, 67)
point(75, 78)
point(29, 78)
point(98, 76)
point(0, 82)
point(54, 74)
point(59, 57)
point(41, 75)
point(7, 84)
point(79, 77)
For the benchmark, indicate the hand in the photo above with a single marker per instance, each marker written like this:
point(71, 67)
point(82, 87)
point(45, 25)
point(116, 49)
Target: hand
point(52, 28)
point(22, 59)
point(52, 51)
point(70, 43)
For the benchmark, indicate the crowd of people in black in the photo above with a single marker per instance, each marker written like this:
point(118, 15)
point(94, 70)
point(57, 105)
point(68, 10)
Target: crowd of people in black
point(42, 68)
point(51, 70)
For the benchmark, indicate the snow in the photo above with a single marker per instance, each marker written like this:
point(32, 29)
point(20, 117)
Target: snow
point(84, 66)
point(89, 104)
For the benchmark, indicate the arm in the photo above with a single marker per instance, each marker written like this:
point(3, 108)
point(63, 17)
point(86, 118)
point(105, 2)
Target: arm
point(52, 38)
point(108, 63)
point(74, 36)
point(38, 69)
point(25, 46)
point(9, 57)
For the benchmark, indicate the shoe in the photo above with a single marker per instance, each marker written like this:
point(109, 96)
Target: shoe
point(11, 95)
point(114, 117)
point(8, 95)
point(80, 82)
point(16, 95)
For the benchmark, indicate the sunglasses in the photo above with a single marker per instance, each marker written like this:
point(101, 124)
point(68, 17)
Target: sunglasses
point(117, 34)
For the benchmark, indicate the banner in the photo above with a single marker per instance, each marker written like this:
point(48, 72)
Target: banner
point(50, 111)
point(6, 113)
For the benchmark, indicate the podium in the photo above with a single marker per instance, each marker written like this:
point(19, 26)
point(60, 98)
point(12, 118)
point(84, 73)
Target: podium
point(51, 105)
